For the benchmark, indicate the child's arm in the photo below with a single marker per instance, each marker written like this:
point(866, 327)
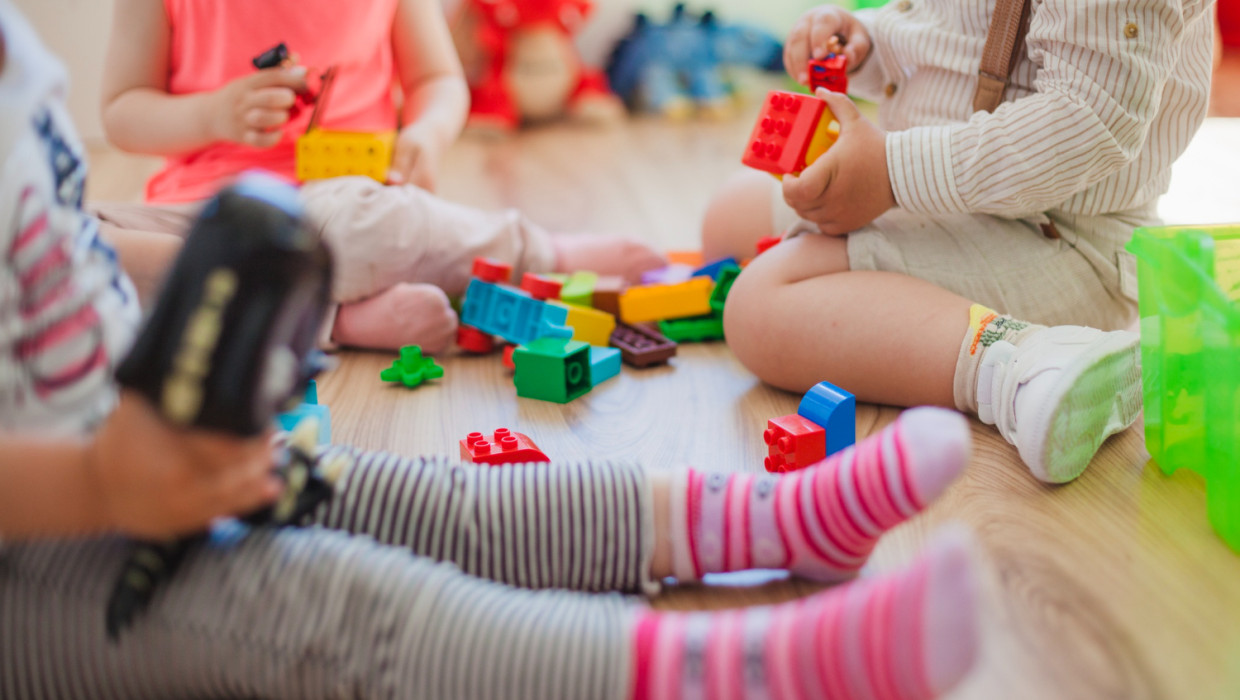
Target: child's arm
point(436, 96)
point(137, 475)
point(139, 115)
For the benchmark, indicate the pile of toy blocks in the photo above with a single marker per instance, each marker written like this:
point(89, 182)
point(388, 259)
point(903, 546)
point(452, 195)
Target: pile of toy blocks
point(568, 333)
point(825, 423)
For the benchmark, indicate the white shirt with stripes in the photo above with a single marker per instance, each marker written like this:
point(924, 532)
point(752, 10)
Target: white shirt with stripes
point(1105, 96)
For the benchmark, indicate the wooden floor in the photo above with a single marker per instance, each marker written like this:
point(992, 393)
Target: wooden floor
point(1111, 587)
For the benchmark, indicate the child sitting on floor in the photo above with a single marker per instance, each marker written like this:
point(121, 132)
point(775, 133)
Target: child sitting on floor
point(179, 83)
point(949, 246)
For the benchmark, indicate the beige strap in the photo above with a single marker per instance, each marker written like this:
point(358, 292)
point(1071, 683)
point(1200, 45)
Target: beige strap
point(1005, 38)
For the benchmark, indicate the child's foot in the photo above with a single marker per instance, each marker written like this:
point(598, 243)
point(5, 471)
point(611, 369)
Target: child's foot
point(404, 314)
point(606, 255)
point(908, 635)
point(821, 522)
point(1059, 393)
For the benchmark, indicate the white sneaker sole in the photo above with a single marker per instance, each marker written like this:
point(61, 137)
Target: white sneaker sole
point(1101, 396)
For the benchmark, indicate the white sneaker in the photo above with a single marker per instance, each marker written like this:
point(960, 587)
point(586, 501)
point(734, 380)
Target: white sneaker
point(1060, 394)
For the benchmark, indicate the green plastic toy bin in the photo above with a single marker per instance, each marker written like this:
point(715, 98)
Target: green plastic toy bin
point(1189, 297)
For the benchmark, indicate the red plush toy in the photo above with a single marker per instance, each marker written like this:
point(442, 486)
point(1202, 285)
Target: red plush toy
point(522, 65)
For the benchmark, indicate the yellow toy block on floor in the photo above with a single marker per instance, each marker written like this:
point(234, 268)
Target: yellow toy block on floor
point(657, 302)
point(590, 325)
point(323, 154)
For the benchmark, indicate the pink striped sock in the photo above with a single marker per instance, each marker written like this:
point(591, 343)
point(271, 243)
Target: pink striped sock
point(901, 637)
point(823, 521)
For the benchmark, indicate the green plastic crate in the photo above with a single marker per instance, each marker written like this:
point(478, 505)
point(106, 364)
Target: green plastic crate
point(1189, 288)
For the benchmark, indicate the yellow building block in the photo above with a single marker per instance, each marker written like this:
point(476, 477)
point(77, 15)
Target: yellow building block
point(656, 302)
point(590, 325)
point(323, 154)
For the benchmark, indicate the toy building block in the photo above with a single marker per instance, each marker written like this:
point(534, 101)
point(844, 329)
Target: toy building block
point(835, 410)
point(830, 73)
point(694, 329)
point(656, 302)
point(506, 358)
point(540, 287)
point(489, 270)
point(793, 442)
point(512, 314)
point(766, 243)
point(671, 274)
point(412, 369)
point(723, 287)
point(692, 258)
point(590, 325)
point(504, 447)
point(552, 369)
point(714, 269)
point(309, 408)
point(641, 346)
point(792, 131)
point(579, 288)
point(607, 291)
point(323, 154)
point(604, 364)
point(473, 340)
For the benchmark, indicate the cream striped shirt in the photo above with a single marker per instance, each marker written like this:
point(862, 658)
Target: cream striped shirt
point(1105, 97)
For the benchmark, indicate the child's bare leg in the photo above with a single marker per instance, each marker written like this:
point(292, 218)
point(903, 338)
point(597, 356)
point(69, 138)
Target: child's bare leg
point(403, 314)
point(605, 254)
point(738, 215)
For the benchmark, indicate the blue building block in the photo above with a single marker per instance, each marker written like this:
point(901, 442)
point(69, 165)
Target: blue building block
point(835, 410)
point(309, 408)
point(512, 314)
point(604, 364)
point(714, 269)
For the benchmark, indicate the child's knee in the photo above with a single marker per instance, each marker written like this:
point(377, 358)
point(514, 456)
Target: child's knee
point(739, 214)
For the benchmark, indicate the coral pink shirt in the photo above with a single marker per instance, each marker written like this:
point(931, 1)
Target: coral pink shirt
point(213, 41)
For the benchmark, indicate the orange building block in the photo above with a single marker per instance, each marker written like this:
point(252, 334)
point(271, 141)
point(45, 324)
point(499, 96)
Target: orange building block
point(657, 302)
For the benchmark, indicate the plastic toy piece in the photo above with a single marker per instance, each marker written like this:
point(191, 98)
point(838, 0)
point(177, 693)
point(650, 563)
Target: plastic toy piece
point(692, 258)
point(473, 340)
point(540, 287)
point(506, 358)
point(723, 287)
point(552, 369)
point(695, 329)
point(489, 270)
point(272, 57)
point(670, 274)
point(663, 301)
point(412, 369)
point(579, 288)
point(1189, 279)
point(714, 269)
point(791, 132)
point(504, 447)
point(641, 346)
point(604, 364)
point(766, 243)
point(607, 291)
point(512, 314)
point(590, 325)
point(835, 410)
point(322, 154)
point(309, 408)
point(793, 442)
point(830, 73)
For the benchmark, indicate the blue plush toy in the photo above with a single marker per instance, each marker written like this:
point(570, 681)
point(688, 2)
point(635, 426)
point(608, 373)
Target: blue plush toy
point(677, 67)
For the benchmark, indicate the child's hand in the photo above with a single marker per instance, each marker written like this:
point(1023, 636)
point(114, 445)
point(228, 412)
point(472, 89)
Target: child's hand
point(812, 37)
point(252, 109)
point(416, 160)
point(154, 480)
point(848, 186)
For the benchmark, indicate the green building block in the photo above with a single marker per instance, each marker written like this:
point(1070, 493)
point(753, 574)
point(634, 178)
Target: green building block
point(694, 329)
point(1188, 282)
point(412, 368)
point(552, 369)
point(723, 285)
point(578, 289)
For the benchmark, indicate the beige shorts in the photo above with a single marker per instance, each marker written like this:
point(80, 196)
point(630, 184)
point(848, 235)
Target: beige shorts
point(1085, 277)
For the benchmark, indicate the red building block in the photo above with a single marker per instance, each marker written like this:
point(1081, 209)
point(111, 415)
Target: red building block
point(541, 288)
point(766, 243)
point(830, 73)
point(471, 339)
point(507, 358)
point(505, 447)
point(794, 443)
point(791, 131)
point(489, 270)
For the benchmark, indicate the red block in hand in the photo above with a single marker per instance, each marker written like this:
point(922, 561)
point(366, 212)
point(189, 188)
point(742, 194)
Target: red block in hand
point(780, 140)
point(830, 73)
